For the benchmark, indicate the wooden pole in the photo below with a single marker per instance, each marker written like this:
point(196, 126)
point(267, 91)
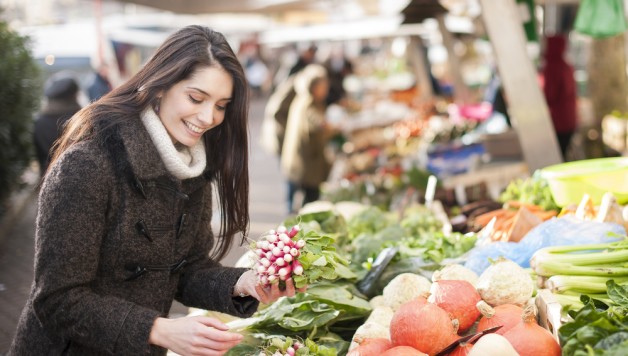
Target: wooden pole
point(526, 102)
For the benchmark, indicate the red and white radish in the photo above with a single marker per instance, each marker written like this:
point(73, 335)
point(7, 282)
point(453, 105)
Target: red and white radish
point(277, 254)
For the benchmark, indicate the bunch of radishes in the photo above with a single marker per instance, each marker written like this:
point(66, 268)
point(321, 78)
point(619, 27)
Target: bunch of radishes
point(277, 255)
point(282, 350)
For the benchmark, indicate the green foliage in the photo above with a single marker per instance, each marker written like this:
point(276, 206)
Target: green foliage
point(323, 319)
point(533, 190)
point(20, 93)
point(598, 328)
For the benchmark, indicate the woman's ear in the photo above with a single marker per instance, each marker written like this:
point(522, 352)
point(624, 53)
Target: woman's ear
point(157, 104)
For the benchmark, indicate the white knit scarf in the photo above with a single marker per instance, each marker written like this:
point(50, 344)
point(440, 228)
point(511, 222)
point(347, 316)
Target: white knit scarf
point(183, 162)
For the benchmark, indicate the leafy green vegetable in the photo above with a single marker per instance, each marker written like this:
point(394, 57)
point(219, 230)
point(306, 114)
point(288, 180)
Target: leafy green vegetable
point(418, 219)
point(303, 348)
point(368, 221)
point(598, 328)
point(343, 296)
point(312, 315)
point(288, 316)
point(320, 260)
point(533, 190)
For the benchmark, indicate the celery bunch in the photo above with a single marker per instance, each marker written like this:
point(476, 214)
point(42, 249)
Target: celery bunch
point(569, 271)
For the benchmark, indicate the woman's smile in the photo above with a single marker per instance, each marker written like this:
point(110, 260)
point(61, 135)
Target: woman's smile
point(194, 128)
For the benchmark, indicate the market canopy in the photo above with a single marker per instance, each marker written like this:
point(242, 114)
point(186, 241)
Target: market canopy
point(263, 6)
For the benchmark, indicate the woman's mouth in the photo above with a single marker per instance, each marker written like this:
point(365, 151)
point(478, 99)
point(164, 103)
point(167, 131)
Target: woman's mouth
point(193, 127)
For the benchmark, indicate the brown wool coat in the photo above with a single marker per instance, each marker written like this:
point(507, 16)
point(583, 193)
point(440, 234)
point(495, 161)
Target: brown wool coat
point(303, 158)
point(116, 241)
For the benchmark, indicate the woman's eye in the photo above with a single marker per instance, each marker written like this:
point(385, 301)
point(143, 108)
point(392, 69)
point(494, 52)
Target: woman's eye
point(221, 108)
point(194, 100)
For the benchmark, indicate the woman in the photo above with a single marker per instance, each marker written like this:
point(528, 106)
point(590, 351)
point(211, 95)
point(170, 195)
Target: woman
point(303, 159)
point(123, 225)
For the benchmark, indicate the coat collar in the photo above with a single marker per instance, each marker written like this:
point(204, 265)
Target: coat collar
point(143, 157)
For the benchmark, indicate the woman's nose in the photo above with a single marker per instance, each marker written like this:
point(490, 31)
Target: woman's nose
point(206, 114)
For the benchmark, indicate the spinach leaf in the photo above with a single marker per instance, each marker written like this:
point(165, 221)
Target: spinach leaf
point(597, 328)
point(617, 293)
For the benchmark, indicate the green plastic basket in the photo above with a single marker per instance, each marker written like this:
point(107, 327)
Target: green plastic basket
point(569, 181)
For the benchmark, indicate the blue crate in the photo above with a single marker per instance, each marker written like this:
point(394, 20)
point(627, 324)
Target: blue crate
point(453, 158)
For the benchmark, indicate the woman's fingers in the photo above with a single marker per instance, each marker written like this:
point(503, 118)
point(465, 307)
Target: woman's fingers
point(290, 291)
point(200, 336)
point(262, 294)
point(270, 294)
point(215, 323)
point(217, 340)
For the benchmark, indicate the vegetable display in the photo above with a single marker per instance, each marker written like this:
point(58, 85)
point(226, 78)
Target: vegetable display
point(428, 302)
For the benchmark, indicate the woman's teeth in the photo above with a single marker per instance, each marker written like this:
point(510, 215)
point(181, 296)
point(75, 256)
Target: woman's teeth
point(193, 127)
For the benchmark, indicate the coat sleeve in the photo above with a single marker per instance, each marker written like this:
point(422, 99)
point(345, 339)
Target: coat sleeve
point(205, 283)
point(71, 223)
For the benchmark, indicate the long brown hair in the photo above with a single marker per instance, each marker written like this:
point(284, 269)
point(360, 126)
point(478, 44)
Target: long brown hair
point(181, 54)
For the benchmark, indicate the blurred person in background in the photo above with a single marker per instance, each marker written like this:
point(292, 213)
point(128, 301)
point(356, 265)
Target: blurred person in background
point(306, 57)
point(257, 74)
point(125, 211)
point(560, 90)
point(100, 84)
point(276, 116)
point(278, 105)
point(61, 93)
point(339, 67)
point(303, 159)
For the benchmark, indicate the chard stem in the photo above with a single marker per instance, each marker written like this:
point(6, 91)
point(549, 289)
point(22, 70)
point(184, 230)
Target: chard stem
point(580, 284)
point(550, 268)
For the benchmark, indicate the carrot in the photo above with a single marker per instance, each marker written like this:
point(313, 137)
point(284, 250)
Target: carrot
point(484, 219)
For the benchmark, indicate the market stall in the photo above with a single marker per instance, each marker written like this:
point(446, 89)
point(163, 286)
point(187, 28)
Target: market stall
point(434, 236)
point(388, 280)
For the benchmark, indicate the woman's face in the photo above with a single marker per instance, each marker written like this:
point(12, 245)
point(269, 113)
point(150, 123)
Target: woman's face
point(320, 90)
point(195, 105)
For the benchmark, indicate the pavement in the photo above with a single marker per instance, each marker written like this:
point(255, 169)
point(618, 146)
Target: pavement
point(17, 229)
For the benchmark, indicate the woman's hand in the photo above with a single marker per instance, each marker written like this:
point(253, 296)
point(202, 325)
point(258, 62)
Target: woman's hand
point(249, 284)
point(196, 335)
